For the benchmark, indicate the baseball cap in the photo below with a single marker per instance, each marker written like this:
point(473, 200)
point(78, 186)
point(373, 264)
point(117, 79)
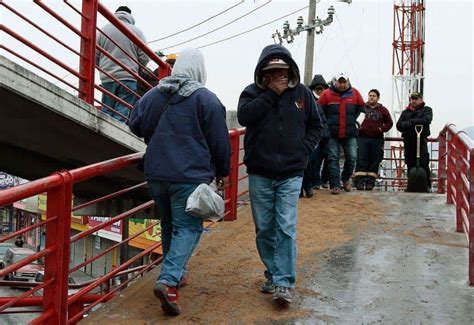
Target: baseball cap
point(341, 75)
point(276, 64)
point(416, 94)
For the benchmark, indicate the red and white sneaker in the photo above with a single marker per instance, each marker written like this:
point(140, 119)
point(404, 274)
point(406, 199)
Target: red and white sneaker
point(169, 298)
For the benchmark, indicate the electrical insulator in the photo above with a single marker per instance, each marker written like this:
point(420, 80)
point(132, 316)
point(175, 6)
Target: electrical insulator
point(299, 22)
point(331, 10)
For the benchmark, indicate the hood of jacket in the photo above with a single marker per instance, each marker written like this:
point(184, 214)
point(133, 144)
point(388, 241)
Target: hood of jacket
point(318, 80)
point(188, 75)
point(125, 17)
point(276, 51)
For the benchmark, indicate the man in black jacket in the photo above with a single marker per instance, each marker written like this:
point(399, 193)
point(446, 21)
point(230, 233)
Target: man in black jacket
point(417, 113)
point(283, 128)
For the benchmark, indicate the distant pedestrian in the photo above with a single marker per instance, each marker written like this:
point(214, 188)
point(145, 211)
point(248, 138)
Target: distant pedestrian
point(377, 121)
point(417, 113)
point(314, 177)
point(115, 78)
point(19, 241)
point(342, 105)
point(282, 128)
point(183, 124)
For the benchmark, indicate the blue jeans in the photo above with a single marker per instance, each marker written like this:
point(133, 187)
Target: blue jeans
point(274, 205)
point(122, 93)
point(349, 146)
point(180, 232)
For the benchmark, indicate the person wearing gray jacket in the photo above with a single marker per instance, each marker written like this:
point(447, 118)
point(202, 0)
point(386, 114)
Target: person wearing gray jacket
point(115, 78)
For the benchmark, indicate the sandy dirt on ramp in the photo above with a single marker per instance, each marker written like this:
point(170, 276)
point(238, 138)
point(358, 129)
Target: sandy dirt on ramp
point(225, 272)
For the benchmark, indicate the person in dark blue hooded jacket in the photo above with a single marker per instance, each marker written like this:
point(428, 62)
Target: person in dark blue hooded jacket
point(183, 124)
point(283, 127)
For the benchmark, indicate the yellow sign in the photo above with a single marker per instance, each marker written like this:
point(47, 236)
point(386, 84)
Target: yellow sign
point(139, 225)
point(42, 202)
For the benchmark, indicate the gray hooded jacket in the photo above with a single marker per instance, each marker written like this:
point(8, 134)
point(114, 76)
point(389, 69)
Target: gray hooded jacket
point(133, 50)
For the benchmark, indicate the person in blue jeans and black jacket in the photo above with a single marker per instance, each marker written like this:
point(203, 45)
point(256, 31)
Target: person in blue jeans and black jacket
point(342, 104)
point(283, 128)
point(183, 124)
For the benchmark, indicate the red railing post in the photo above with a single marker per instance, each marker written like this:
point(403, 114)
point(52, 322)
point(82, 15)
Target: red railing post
point(471, 216)
point(75, 309)
point(59, 203)
point(458, 182)
point(449, 166)
point(87, 59)
point(232, 189)
point(442, 157)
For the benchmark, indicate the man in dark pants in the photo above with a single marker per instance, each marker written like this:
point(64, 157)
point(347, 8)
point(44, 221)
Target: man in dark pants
point(417, 113)
point(377, 121)
point(313, 177)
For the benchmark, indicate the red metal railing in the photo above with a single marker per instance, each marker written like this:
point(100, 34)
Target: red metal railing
point(50, 55)
point(57, 306)
point(457, 179)
point(394, 170)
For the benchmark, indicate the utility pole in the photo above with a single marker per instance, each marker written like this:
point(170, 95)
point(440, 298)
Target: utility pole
point(308, 64)
point(315, 26)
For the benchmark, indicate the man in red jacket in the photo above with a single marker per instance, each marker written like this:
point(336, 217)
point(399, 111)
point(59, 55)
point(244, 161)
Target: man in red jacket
point(370, 150)
point(342, 104)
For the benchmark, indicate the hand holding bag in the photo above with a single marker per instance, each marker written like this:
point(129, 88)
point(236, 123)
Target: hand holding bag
point(205, 203)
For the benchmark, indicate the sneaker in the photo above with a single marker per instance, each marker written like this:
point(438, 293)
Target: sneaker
point(317, 187)
point(325, 185)
point(267, 287)
point(347, 186)
point(169, 298)
point(335, 190)
point(309, 192)
point(283, 295)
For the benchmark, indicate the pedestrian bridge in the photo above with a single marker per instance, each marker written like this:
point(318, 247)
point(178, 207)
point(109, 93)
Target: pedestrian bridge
point(46, 129)
point(388, 257)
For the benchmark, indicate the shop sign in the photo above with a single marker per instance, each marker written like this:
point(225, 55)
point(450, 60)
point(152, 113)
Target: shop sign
point(112, 232)
point(138, 225)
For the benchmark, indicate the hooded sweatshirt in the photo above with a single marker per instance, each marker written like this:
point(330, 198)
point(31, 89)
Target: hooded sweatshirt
point(184, 125)
point(377, 121)
point(126, 44)
point(281, 131)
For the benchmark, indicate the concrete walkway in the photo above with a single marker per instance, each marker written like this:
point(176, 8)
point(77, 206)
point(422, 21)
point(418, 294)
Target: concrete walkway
point(410, 269)
point(405, 266)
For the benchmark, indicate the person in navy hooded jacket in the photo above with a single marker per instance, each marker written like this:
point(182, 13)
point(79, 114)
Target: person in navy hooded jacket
point(283, 128)
point(183, 124)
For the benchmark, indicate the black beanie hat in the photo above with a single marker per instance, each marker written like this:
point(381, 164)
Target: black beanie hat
point(124, 8)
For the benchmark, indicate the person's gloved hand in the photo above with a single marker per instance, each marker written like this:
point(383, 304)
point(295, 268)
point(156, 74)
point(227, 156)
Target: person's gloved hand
point(416, 121)
point(405, 124)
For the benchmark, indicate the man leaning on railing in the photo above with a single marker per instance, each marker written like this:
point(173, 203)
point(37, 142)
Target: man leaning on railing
point(116, 80)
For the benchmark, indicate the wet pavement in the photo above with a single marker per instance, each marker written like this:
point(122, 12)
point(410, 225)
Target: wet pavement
point(409, 269)
point(406, 266)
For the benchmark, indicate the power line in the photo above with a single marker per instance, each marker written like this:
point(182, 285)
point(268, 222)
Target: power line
point(198, 24)
point(216, 29)
point(251, 30)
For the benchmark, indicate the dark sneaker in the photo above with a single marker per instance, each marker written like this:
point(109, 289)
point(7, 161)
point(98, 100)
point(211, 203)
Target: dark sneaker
point(267, 287)
point(169, 298)
point(309, 192)
point(283, 295)
point(347, 186)
point(335, 190)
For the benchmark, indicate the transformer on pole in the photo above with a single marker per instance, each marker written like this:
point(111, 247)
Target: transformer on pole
point(408, 52)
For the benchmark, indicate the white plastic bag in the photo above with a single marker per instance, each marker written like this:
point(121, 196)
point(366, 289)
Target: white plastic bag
point(205, 203)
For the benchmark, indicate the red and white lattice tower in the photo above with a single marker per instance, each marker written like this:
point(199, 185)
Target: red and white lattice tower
point(408, 51)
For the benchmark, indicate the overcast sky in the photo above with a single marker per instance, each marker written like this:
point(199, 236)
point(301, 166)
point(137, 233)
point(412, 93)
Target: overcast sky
point(358, 43)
